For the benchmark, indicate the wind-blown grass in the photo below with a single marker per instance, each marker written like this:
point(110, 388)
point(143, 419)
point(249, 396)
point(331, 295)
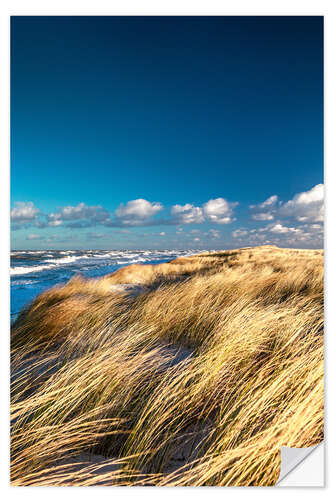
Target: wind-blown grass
point(198, 380)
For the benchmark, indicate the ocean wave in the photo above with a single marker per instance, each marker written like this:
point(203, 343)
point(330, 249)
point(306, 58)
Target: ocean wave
point(132, 261)
point(46, 264)
point(24, 282)
point(27, 270)
point(65, 260)
point(93, 257)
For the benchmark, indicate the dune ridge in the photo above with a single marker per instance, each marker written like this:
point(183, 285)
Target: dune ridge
point(190, 373)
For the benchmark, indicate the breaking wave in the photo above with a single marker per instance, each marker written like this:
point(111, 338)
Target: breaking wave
point(43, 269)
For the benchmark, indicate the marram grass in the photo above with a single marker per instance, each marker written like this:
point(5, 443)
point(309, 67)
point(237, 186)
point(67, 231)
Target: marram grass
point(199, 380)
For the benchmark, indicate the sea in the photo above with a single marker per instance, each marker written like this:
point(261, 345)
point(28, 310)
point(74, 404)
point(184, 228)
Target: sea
point(34, 271)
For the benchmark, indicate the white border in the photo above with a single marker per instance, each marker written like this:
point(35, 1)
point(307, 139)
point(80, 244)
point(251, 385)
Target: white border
point(141, 7)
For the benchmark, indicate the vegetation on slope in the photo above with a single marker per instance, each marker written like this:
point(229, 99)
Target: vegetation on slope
point(198, 380)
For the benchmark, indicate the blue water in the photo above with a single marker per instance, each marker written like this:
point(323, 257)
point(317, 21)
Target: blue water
point(32, 271)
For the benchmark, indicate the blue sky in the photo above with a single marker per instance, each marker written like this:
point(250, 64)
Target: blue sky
point(166, 132)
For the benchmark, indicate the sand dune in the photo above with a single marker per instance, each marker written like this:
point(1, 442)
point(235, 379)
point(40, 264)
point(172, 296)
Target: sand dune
point(194, 372)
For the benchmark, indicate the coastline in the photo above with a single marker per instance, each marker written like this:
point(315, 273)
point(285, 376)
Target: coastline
point(172, 370)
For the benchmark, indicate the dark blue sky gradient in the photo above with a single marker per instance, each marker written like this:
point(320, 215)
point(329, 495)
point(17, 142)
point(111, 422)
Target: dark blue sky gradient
point(171, 109)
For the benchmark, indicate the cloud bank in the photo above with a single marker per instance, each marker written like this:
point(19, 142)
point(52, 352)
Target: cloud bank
point(139, 212)
point(295, 222)
point(217, 211)
point(307, 206)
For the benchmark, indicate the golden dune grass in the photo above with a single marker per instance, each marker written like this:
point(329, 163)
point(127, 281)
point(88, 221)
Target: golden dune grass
point(198, 380)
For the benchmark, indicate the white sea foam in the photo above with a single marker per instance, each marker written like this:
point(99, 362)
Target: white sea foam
point(27, 270)
point(119, 258)
point(46, 264)
point(65, 260)
point(23, 282)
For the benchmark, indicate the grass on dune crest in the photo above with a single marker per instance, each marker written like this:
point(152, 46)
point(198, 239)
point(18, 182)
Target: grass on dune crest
point(198, 380)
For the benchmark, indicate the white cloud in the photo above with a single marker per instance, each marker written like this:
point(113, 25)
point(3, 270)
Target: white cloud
point(302, 236)
point(162, 233)
point(263, 216)
point(214, 233)
point(24, 212)
point(307, 206)
point(272, 200)
point(239, 233)
point(34, 237)
point(280, 229)
point(138, 209)
point(265, 210)
point(187, 214)
point(219, 211)
point(88, 215)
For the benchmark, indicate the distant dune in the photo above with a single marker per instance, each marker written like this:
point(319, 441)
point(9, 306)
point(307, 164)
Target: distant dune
point(193, 372)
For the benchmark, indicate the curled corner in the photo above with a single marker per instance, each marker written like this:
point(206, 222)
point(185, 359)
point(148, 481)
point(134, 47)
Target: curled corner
point(292, 457)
